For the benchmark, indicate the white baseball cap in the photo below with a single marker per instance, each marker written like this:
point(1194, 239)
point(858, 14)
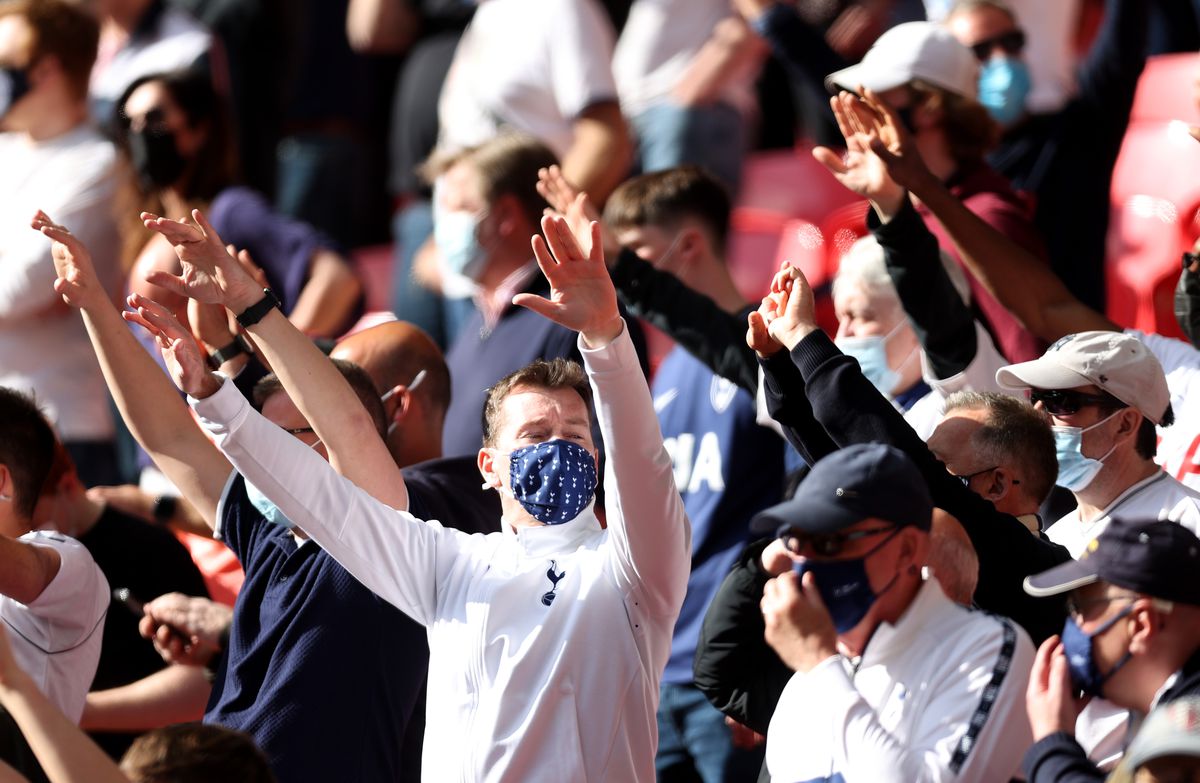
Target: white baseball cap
point(913, 50)
point(1118, 363)
point(1171, 729)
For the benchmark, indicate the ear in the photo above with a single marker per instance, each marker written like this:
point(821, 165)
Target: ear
point(1145, 623)
point(914, 549)
point(403, 403)
point(506, 216)
point(486, 462)
point(691, 245)
point(1000, 485)
point(6, 484)
point(1130, 422)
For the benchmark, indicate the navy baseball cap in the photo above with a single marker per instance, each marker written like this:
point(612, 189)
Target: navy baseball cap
point(869, 480)
point(1157, 558)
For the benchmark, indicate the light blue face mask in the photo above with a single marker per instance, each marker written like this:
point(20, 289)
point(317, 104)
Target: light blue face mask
point(456, 235)
point(871, 354)
point(1004, 85)
point(1075, 471)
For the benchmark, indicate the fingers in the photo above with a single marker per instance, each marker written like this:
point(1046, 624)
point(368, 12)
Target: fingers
point(562, 243)
point(811, 593)
point(173, 283)
point(839, 115)
point(1041, 663)
point(830, 160)
point(540, 305)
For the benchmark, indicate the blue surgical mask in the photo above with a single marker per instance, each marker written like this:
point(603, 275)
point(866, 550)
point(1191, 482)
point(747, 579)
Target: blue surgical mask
point(871, 354)
point(553, 481)
point(456, 235)
point(1075, 471)
point(1004, 85)
point(263, 505)
point(1077, 646)
point(844, 586)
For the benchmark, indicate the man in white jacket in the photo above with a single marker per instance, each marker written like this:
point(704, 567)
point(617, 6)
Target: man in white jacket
point(894, 682)
point(547, 640)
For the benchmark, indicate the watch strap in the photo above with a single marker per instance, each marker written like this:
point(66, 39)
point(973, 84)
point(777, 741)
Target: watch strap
point(256, 312)
point(239, 346)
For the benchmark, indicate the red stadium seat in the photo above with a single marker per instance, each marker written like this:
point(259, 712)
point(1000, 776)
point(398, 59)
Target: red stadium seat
point(1155, 197)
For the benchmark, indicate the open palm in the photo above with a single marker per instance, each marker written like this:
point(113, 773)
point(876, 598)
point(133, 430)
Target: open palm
point(179, 349)
point(210, 273)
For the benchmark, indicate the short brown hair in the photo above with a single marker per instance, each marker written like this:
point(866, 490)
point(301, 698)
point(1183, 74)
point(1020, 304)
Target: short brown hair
point(970, 130)
point(664, 198)
point(541, 374)
point(27, 444)
point(195, 753)
point(507, 166)
point(1014, 431)
point(360, 382)
point(63, 30)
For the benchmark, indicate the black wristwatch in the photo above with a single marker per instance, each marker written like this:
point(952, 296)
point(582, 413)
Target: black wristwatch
point(239, 346)
point(164, 508)
point(256, 312)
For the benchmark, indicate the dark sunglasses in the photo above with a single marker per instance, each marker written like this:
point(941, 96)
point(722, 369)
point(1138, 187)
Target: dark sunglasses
point(1012, 42)
point(966, 478)
point(1064, 402)
point(826, 544)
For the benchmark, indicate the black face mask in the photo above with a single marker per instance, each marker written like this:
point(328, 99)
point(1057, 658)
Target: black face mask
point(14, 83)
point(155, 157)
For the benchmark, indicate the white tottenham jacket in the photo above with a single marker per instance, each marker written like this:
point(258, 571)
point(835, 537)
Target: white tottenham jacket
point(522, 686)
point(939, 696)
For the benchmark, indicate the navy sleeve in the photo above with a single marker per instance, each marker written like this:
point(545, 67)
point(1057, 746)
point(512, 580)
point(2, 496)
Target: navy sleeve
point(281, 246)
point(716, 338)
point(943, 323)
point(1107, 79)
point(787, 404)
point(1058, 758)
point(851, 410)
point(799, 46)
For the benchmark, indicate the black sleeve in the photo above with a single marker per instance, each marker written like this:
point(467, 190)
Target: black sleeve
point(1058, 758)
point(943, 323)
point(787, 404)
point(735, 668)
point(716, 338)
point(851, 410)
point(1107, 79)
point(801, 48)
point(1187, 305)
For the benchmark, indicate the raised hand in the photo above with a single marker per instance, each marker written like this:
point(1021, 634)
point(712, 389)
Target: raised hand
point(179, 349)
point(859, 170)
point(798, 626)
point(789, 310)
point(210, 273)
point(891, 142)
point(77, 282)
point(582, 296)
point(578, 209)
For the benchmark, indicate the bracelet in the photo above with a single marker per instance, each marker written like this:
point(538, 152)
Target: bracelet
point(239, 346)
point(256, 312)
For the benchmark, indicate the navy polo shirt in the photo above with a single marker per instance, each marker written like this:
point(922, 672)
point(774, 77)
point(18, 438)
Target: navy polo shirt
point(321, 672)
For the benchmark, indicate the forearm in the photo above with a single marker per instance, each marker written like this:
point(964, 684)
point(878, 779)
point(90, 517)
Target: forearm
point(176, 694)
point(1014, 276)
point(731, 49)
point(943, 323)
point(331, 407)
point(393, 554)
point(715, 337)
point(646, 519)
point(802, 49)
point(150, 405)
point(66, 754)
point(328, 298)
point(600, 152)
point(787, 403)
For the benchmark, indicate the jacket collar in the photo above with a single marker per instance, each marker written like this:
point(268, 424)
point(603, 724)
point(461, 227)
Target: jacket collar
point(892, 638)
point(556, 539)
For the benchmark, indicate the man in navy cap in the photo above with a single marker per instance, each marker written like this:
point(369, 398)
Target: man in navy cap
point(893, 680)
point(1132, 637)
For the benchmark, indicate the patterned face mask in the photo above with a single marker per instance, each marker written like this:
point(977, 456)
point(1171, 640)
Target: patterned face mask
point(553, 481)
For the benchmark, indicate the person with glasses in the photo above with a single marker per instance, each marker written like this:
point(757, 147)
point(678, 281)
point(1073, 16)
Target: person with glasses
point(1104, 393)
point(893, 681)
point(1132, 637)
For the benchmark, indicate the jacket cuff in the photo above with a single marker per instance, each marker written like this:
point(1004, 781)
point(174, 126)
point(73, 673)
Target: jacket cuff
point(618, 353)
point(220, 412)
point(1058, 743)
point(813, 351)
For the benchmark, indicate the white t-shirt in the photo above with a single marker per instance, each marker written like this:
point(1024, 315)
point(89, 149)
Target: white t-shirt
point(657, 45)
point(530, 65)
point(43, 345)
point(1156, 497)
point(56, 639)
point(1179, 444)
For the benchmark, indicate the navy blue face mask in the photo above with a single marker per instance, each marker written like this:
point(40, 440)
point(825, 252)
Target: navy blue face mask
point(554, 481)
point(1077, 645)
point(844, 586)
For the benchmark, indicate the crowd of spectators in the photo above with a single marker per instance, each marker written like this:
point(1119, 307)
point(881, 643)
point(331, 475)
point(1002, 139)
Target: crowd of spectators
point(578, 490)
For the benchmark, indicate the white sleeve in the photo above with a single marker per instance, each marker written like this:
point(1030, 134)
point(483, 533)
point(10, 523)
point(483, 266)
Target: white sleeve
point(647, 525)
point(70, 608)
point(581, 50)
point(826, 709)
point(1180, 362)
point(395, 555)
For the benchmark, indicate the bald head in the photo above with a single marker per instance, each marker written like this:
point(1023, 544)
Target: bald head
point(394, 354)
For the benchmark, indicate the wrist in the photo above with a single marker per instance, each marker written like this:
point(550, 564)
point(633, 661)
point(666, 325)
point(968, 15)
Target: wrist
point(602, 335)
point(795, 335)
point(239, 299)
point(210, 384)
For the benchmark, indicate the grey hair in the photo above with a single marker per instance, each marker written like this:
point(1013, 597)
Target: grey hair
point(1015, 432)
point(864, 263)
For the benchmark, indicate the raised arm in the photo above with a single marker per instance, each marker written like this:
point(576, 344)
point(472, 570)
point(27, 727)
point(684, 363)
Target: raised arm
point(1009, 272)
point(646, 520)
point(148, 403)
point(322, 395)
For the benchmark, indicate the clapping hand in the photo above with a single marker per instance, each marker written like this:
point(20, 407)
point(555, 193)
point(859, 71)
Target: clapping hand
point(582, 296)
point(798, 626)
point(211, 273)
point(178, 347)
point(77, 282)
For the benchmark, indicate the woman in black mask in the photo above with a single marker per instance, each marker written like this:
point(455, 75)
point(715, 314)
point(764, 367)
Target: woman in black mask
point(177, 139)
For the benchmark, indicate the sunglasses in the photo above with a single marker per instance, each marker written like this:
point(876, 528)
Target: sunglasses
point(1064, 402)
point(1012, 43)
point(826, 544)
